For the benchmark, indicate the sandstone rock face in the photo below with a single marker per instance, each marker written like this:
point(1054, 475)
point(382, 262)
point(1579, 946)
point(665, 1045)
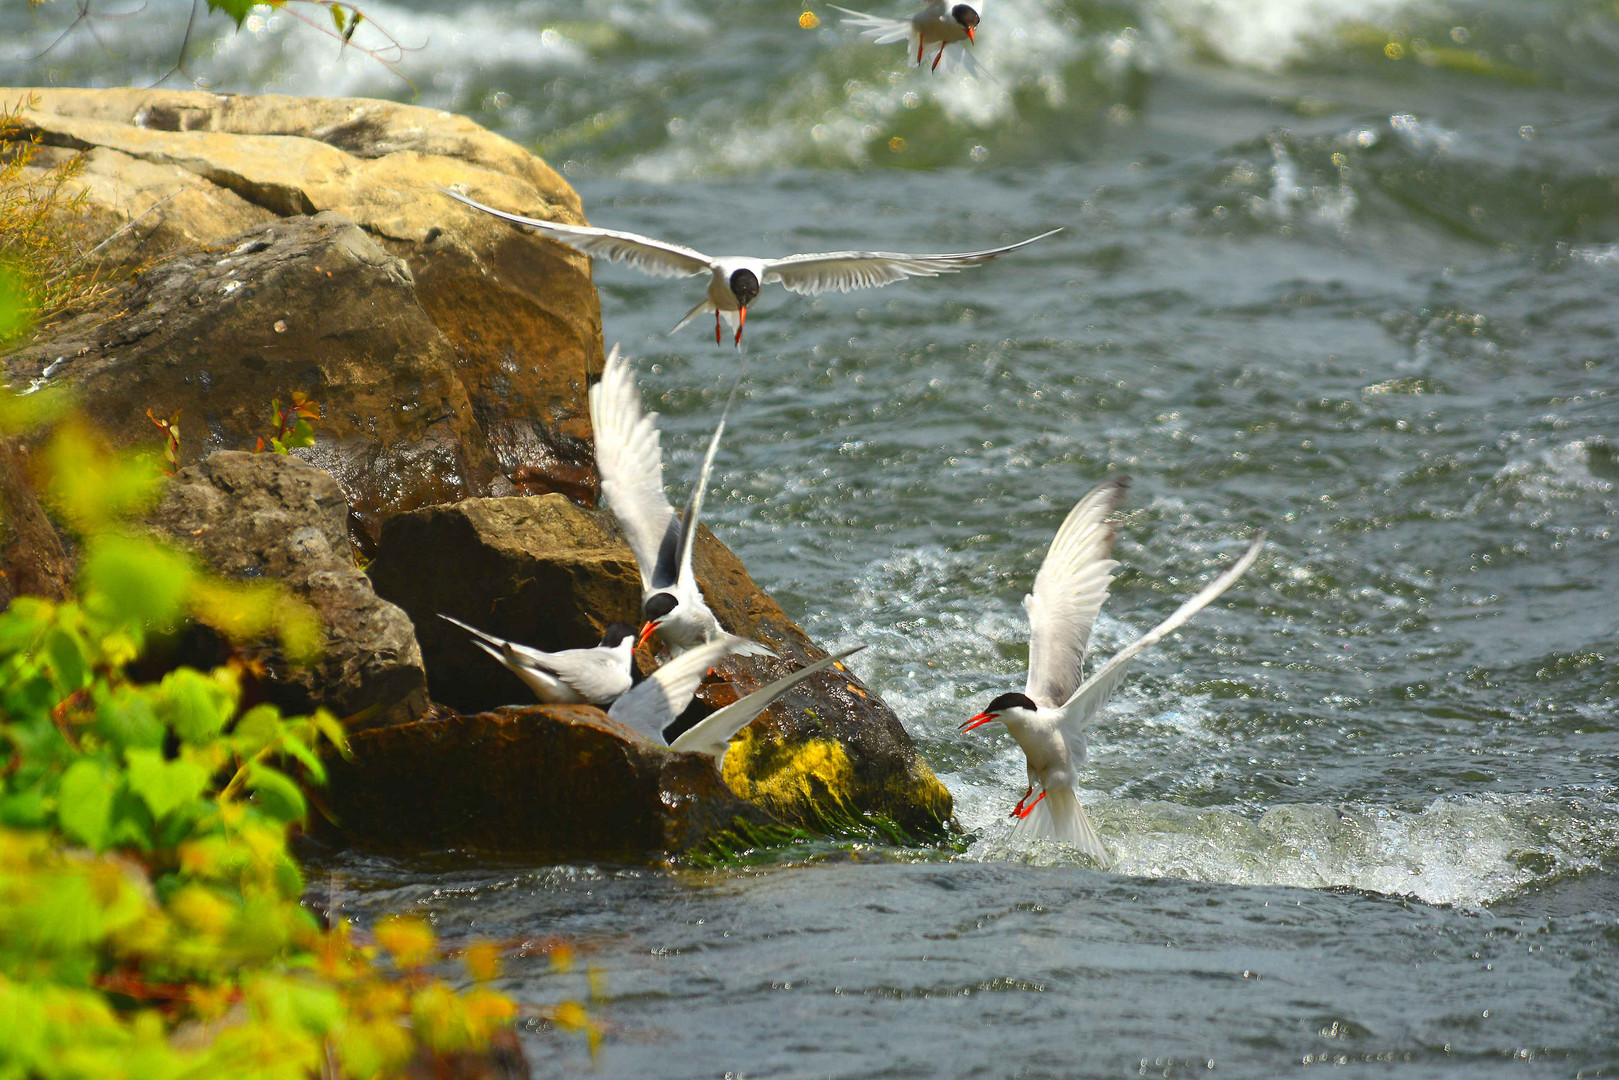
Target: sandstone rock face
point(274, 517)
point(546, 573)
point(545, 781)
point(498, 329)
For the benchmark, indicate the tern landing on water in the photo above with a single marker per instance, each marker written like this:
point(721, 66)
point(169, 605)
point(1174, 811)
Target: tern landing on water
point(596, 676)
point(1050, 718)
point(735, 280)
point(629, 459)
point(939, 23)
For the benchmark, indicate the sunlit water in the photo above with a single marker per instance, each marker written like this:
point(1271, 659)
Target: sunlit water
point(1342, 269)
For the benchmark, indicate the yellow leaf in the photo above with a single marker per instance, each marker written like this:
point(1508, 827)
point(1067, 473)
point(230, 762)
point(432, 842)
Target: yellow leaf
point(482, 961)
point(408, 939)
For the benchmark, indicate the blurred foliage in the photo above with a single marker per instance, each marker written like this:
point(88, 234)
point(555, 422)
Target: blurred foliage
point(150, 916)
point(46, 260)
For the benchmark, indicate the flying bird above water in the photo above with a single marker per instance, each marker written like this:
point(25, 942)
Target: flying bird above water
point(629, 459)
point(597, 676)
point(939, 23)
point(735, 280)
point(1052, 715)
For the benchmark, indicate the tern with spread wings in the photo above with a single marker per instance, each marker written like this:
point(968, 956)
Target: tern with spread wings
point(1052, 715)
point(735, 280)
point(629, 460)
point(597, 676)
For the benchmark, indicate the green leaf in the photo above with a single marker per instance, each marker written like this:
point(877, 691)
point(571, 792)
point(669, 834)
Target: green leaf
point(295, 746)
point(258, 728)
point(125, 717)
point(277, 792)
point(301, 435)
point(23, 809)
point(236, 9)
point(164, 785)
point(194, 705)
point(84, 802)
point(66, 653)
point(16, 305)
point(135, 582)
point(337, 21)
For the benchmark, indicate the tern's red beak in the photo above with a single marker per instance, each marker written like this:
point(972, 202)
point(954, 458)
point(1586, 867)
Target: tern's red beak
point(978, 721)
point(646, 632)
point(741, 321)
point(970, 36)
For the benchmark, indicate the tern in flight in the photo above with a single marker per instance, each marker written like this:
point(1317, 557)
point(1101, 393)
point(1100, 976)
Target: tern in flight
point(1052, 715)
point(629, 459)
point(939, 23)
point(735, 280)
point(597, 676)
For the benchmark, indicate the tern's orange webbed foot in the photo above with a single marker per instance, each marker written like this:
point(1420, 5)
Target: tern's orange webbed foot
point(1027, 810)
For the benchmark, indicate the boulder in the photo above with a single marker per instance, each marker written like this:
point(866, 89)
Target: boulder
point(274, 517)
point(485, 332)
point(544, 572)
point(542, 781)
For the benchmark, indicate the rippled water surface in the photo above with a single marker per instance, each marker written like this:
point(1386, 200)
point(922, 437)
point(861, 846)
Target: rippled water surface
point(1342, 269)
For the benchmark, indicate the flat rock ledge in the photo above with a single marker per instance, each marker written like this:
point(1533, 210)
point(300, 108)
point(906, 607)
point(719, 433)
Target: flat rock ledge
point(543, 781)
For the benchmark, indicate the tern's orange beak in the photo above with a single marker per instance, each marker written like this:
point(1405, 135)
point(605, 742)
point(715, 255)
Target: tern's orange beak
point(741, 321)
point(978, 721)
point(646, 632)
point(970, 36)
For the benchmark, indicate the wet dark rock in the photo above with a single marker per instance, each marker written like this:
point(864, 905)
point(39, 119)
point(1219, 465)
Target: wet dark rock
point(546, 781)
point(547, 573)
point(272, 517)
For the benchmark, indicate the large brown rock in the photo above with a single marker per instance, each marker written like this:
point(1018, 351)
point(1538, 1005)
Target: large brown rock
point(544, 781)
point(269, 517)
point(499, 329)
point(547, 573)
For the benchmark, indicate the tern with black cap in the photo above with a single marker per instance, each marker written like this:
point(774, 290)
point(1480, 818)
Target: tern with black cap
point(735, 280)
point(939, 23)
point(597, 676)
point(1051, 716)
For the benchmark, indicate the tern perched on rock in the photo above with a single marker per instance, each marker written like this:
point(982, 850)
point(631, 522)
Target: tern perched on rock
point(1050, 718)
point(629, 459)
point(735, 280)
point(939, 23)
point(597, 676)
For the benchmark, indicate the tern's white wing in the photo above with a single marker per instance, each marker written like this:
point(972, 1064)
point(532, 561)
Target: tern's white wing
point(653, 703)
point(882, 30)
point(597, 675)
point(713, 734)
point(1089, 698)
point(629, 459)
point(845, 271)
point(645, 254)
point(1068, 593)
point(694, 503)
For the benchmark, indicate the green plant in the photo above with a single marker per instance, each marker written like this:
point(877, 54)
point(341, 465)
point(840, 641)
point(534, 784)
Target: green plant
point(45, 256)
point(150, 923)
point(292, 427)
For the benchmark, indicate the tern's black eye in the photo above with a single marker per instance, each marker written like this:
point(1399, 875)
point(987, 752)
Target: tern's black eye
point(658, 606)
point(1010, 701)
point(745, 285)
point(965, 15)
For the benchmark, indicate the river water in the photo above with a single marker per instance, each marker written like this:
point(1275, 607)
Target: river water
point(1340, 269)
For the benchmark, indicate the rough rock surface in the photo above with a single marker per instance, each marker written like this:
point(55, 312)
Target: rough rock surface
point(274, 517)
point(546, 573)
point(551, 781)
point(499, 327)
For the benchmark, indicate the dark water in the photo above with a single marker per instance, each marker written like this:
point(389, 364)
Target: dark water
point(1345, 270)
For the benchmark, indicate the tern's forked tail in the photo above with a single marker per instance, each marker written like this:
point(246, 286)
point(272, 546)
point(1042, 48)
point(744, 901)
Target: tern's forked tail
point(1060, 817)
